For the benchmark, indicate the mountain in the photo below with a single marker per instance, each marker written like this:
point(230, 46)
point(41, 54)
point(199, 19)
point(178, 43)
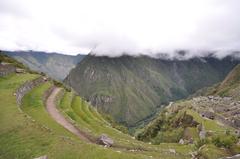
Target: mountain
point(55, 65)
point(230, 86)
point(55, 122)
point(132, 88)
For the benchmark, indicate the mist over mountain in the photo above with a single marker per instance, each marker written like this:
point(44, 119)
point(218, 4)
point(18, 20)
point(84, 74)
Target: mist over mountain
point(131, 88)
point(146, 27)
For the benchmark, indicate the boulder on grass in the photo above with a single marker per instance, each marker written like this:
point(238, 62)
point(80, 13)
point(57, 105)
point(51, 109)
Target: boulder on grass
point(42, 157)
point(105, 140)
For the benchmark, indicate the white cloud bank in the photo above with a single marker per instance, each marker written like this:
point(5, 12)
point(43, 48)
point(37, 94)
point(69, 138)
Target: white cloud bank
point(110, 27)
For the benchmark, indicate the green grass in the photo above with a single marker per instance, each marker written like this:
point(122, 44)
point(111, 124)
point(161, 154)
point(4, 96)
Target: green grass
point(210, 151)
point(21, 137)
point(191, 132)
point(33, 105)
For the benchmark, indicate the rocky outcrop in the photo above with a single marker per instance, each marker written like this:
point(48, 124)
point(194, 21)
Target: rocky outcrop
point(202, 133)
point(232, 157)
point(26, 87)
point(105, 140)
point(99, 100)
point(42, 157)
point(181, 141)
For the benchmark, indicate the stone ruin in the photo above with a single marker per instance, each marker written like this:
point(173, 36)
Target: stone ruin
point(224, 109)
point(6, 69)
point(26, 87)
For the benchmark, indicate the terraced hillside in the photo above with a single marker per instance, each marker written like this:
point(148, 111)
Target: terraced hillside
point(86, 118)
point(180, 123)
point(28, 131)
point(212, 121)
point(33, 133)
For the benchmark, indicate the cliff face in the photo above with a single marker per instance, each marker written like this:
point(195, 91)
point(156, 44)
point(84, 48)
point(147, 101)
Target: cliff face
point(132, 88)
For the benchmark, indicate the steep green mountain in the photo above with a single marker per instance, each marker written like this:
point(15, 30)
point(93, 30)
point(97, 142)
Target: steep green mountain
point(55, 65)
point(230, 86)
point(131, 88)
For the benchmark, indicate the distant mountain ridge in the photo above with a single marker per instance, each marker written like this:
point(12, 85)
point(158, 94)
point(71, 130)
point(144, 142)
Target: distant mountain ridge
point(55, 65)
point(131, 88)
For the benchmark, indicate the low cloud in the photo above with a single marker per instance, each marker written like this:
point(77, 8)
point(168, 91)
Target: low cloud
point(157, 28)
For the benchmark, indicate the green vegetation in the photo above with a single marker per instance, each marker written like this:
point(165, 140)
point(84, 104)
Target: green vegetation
point(168, 128)
point(60, 84)
point(209, 151)
point(131, 89)
point(88, 119)
point(27, 131)
point(32, 133)
point(33, 105)
point(230, 86)
point(226, 141)
point(23, 137)
point(113, 123)
point(181, 122)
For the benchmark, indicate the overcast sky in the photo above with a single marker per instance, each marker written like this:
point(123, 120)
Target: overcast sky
point(112, 27)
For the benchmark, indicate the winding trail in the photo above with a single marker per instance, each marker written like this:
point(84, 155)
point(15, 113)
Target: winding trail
point(59, 118)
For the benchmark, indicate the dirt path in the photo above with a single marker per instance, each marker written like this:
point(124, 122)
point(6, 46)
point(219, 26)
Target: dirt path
point(59, 118)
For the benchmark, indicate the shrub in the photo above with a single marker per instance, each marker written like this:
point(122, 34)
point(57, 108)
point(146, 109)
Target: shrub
point(171, 136)
point(60, 84)
point(200, 142)
point(226, 141)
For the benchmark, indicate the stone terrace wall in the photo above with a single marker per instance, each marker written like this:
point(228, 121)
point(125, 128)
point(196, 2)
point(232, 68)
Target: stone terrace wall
point(6, 70)
point(47, 93)
point(26, 87)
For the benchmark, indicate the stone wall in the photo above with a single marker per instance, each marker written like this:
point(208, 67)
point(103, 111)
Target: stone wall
point(6, 70)
point(47, 93)
point(26, 87)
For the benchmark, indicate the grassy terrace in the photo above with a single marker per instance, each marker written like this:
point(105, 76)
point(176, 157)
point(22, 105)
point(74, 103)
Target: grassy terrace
point(87, 118)
point(210, 125)
point(21, 137)
point(24, 137)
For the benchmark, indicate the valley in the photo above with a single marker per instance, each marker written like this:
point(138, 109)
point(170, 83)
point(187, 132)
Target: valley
point(119, 79)
point(131, 89)
point(53, 121)
point(35, 133)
